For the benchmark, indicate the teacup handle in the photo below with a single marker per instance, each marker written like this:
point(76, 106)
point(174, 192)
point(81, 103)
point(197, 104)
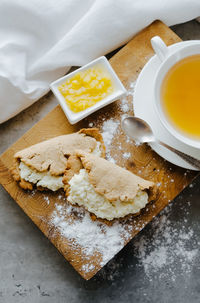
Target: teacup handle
point(160, 48)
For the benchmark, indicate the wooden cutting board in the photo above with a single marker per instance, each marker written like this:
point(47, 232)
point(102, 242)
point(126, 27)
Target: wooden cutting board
point(127, 63)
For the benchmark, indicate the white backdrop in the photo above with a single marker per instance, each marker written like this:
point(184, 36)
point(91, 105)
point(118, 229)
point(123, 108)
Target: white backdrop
point(40, 40)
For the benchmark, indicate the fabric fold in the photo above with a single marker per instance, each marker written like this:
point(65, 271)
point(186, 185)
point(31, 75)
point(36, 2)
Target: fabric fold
point(40, 41)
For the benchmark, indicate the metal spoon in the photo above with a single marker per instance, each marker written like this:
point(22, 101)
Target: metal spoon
point(138, 130)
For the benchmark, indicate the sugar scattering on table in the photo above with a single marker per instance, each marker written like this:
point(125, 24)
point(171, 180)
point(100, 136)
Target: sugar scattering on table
point(166, 248)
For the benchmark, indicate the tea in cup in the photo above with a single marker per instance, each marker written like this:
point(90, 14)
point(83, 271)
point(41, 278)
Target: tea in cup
point(177, 90)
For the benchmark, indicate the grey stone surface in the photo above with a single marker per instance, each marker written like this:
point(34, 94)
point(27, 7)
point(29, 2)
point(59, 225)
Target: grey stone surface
point(32, 270)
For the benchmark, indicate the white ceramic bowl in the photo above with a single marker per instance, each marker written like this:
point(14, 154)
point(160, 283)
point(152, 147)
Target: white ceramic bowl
point(119, 91)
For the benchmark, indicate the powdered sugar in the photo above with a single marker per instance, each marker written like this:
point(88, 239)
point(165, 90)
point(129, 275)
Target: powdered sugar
point(166, 251)
point(124, 105)
point(126, 155)
point(109, 129)
point(93, 236)
point(88, 267)
point(132, 86)
point(46, 198)
point(168, 246)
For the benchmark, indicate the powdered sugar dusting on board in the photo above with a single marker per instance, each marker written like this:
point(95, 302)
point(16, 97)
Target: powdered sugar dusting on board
point(88, 267)
point(109, 129)
point(131, 88)
point(92, 236)
point(126, 155)
point(124, 105)
point(46, 198)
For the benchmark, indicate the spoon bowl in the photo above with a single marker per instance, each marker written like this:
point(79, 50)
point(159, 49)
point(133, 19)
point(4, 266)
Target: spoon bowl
point(139, 130)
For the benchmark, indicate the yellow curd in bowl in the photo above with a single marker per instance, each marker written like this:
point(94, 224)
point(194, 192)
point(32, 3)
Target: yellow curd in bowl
point(86, 88)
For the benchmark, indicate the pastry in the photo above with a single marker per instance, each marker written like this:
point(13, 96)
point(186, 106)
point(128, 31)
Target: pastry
point(103, 188)
point(43, 164)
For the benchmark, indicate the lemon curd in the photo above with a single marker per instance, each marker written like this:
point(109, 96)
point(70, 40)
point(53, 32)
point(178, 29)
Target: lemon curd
point(86, 88)
point(180, 94)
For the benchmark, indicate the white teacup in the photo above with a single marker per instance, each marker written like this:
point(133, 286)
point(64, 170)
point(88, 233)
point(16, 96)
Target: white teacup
point(168, 59)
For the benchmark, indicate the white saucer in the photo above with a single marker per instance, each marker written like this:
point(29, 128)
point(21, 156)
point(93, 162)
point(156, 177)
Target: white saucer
point(144, 109)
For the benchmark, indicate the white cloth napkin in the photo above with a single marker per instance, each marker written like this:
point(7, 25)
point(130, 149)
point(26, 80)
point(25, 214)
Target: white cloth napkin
point(40, 40)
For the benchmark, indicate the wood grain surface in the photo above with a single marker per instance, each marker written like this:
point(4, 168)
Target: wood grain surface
point(171, 179)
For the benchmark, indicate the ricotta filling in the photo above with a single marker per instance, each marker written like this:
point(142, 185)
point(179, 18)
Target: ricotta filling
point(45, 179)
point(82, 192)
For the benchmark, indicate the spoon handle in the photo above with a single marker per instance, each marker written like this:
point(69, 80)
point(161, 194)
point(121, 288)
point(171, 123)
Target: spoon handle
point(189, 159)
